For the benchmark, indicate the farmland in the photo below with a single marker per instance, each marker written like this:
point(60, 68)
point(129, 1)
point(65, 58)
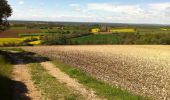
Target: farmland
point(142, 70)
point(10, 40)
point(81, 33)
point(33, 72)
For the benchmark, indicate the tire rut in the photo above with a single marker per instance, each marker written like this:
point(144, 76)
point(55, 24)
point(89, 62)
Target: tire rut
point(24, 88)
point(70, 82)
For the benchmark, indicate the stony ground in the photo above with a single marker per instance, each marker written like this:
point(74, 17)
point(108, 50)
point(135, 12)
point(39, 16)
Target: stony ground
point(143, 70)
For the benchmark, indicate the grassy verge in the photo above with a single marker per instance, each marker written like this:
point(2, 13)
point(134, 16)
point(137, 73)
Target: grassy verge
point(5, 81)
point(102, 89)
point(51, 88)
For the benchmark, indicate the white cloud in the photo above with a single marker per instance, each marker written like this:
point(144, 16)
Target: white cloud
point(21, 2)
point(74, 5)
point(159, 6)
point(149, 13)
point(100, 12)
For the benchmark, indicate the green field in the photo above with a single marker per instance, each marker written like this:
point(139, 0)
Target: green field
point(95, 39)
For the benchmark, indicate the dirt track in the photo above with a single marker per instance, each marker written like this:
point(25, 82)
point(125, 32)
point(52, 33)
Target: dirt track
point(24, 88)
point(143, 70)
point(70, 82)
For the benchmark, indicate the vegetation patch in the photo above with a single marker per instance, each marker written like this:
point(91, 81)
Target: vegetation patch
point(10, 40)
point(51, 88)
point(95, 39)
point(102, 89)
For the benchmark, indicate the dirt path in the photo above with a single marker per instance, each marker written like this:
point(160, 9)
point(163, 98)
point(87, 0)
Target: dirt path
point(24, 87)
point(70, 82)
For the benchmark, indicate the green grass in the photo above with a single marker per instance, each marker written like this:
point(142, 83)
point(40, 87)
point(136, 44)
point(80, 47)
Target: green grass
point(5, 81)
point(51, 88)
point(95, 39)
point(11, 49)
point(102, 89)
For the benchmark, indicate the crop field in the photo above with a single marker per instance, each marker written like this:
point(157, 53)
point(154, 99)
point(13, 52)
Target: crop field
point(11, 40)
point(143, 70)
point(125, 30)
point(14, 33)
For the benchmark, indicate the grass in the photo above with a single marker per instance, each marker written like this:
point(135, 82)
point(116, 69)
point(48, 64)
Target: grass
point(11, 49)
point(102, 89)
point(51, 88)
point(5, 81)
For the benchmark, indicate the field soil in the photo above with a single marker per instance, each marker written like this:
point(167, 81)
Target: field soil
point(143, 70)
point(13, 33)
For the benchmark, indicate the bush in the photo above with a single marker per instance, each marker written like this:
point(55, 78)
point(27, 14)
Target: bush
point(54, 39)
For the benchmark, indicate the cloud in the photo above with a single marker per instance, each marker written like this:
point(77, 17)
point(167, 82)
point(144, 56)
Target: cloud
point(21, 2)
point(148, 13)
point(159, 6)
point(97, 12)
point(74, 5)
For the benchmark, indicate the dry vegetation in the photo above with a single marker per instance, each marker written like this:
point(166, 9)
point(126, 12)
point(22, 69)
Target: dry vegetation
point(143, 70)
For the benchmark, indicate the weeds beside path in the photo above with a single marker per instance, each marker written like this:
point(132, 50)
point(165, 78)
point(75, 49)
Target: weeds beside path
point(70, 82)
point(24, 88)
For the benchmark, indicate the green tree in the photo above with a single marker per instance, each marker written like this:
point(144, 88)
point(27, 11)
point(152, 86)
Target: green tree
point(5, 12)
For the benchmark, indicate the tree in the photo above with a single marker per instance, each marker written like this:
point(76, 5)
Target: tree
point(5, 12)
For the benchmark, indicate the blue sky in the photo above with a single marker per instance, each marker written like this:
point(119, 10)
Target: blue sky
point(113, 11)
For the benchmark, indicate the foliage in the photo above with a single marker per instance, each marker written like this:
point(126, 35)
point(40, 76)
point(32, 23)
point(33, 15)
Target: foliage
point(122, 38)
point(95, 39)
point(55, 39)
point(60, 39)
point(5, 12)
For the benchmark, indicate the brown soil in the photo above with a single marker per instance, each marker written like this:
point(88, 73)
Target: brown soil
point(143, 70)
point(24, 88)
point(13, 33)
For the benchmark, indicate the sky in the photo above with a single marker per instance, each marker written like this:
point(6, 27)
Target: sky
point(111, 11)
